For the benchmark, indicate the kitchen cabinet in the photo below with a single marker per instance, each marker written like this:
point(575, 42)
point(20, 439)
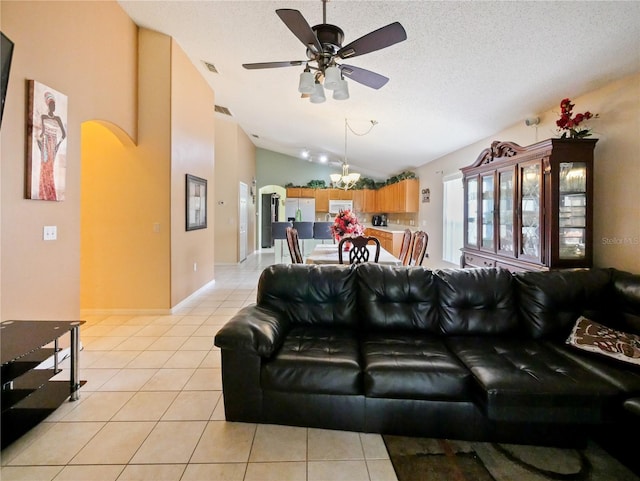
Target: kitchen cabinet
point(340, 194)
point(389, 240)
point(364, 201)
point(530, 208)
point(401, 197)
point(301, 192)
point(322, 200)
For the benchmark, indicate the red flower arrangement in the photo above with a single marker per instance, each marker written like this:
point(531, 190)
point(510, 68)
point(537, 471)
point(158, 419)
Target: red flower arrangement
point(568, 125)
point(346, 223)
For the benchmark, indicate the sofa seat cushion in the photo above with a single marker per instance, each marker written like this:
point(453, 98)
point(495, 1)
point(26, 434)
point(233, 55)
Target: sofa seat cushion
point(315, 359)
point(625, 377)
point(408, 366)
point(525, 381)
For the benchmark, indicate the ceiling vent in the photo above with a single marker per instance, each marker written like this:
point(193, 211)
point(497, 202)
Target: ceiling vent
point(210, 66)
point(223, 110)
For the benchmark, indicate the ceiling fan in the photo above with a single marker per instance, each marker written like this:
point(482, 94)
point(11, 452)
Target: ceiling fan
point(325, 49)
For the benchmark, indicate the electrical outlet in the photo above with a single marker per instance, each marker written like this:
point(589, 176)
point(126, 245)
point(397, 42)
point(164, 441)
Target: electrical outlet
point(195, 267)
point(50, 232)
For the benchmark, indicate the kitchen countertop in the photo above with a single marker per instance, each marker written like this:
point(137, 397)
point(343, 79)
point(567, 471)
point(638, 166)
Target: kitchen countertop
point(393, 228)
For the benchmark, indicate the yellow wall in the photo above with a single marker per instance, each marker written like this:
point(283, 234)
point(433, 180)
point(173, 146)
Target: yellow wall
point(87, 51)
point(617, 170)
point(136, 252)
point(235, 163)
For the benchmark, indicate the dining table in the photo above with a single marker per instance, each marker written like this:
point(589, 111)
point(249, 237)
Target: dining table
point(328, 254)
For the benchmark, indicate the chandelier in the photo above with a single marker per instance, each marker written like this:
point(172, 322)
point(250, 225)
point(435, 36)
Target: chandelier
point(345, 180)
point(348, 180)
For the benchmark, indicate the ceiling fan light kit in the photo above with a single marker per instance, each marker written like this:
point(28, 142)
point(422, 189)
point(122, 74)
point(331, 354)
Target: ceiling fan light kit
point(317, 96)
point(307, 82)
point(323, 44)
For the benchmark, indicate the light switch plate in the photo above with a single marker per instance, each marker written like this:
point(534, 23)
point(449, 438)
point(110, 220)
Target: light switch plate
point(50, 232)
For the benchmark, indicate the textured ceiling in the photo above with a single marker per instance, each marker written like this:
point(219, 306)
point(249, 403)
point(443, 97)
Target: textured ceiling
point(466, 70)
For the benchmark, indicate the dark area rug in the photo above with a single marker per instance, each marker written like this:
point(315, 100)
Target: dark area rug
point(424, 459)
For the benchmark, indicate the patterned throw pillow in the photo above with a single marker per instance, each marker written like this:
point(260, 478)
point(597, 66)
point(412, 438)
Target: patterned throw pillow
point(594, 337)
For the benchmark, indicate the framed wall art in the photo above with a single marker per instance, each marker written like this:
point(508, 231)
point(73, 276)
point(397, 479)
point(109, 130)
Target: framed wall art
point(46, 143)
point(196, 202)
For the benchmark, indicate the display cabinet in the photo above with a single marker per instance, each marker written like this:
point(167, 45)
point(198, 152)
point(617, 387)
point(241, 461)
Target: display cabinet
point(530, 208)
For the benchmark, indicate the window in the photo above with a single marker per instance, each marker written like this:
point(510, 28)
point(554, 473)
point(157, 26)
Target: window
point(452, 218)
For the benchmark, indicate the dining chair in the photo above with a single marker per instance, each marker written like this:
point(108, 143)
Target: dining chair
point(294, 245)
point(305, 231)
point(359, 251)
point(322, 231)
point(419, 248)
point(279, 232)
point(405, 247)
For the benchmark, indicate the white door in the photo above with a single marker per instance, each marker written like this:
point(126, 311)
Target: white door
point(243, 221)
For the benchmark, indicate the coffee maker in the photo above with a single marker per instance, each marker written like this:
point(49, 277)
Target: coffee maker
point(379, 220)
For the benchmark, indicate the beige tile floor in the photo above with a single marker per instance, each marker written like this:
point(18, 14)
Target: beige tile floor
point(152, 408)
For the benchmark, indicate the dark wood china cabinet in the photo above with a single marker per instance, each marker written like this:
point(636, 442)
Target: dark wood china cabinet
point(530, 208)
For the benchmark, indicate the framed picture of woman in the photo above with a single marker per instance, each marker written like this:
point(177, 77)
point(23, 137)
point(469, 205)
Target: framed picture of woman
point(46, 143)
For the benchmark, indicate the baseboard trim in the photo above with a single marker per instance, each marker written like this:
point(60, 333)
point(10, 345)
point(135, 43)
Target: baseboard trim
point(147, 312)
point(187, 299)
point(124, 312)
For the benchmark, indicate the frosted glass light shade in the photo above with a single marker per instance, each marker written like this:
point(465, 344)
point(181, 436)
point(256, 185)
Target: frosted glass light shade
point(307, 84)
point(342, 90)
point(332, 77)
point(317, 97)
point(335, 178)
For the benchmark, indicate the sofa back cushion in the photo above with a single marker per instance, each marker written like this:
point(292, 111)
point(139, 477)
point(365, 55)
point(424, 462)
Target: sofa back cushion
point(626, 299)
point(477, 302)
point(551, 302)
point(310, 294)
point(397, 298)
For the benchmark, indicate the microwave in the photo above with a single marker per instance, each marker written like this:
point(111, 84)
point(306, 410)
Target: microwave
point(335, 206)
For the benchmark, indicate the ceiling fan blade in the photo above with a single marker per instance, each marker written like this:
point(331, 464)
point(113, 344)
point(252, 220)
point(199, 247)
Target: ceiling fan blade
point(300, 28)
point(376, 40)
point(291, 63)
point(363, 76)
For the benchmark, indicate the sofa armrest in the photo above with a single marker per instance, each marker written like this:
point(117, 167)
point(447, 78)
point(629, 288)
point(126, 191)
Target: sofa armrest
point(254, 329)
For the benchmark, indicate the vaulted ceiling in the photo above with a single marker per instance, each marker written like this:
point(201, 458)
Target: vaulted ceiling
point(467, 69)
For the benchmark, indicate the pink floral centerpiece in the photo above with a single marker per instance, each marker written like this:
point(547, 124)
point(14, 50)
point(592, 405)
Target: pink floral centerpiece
point(346, 224)
point(569, 125)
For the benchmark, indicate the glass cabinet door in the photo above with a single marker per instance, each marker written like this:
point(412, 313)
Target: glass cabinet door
point(505, 212)
point(487, 212)
point(572, 218)
point(530, 210)
point(472, 212)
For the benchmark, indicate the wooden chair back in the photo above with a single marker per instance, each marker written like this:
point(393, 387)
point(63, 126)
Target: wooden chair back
point(359, 251)
point(419, 249)
point(405, 247)
point(294, 245)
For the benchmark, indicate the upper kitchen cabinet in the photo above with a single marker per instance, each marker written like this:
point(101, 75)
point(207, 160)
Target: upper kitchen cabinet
point(301, 192)
point(400, 197)
point(364, 201)
point(322, 200)
point(530, 208)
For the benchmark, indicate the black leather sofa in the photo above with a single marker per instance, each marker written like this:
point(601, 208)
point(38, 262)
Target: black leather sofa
point(474, 354)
